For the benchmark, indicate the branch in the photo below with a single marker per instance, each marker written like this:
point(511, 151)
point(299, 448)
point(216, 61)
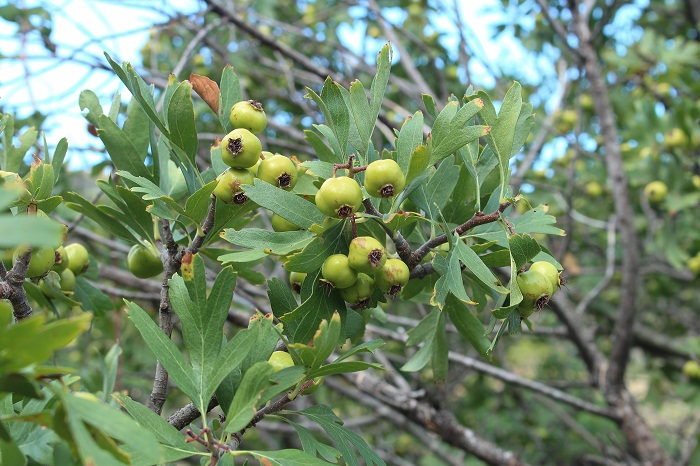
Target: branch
point(12, 288)
point(403, 249)
point(477, 219)
point(188, 413)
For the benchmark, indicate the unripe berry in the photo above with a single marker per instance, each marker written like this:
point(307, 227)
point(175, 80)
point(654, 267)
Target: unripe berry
point(366, 254)
point(384, 178)
point(279, 171)
point(240, 148)
point(248, 114)
point(536, 290)
point(339, 197)
point(280, 360)
point(143, 262)
point(550, 272)
point(40, 262)
point(296, 280)
point(336, 271)
point(78, 258)
point(359, 293)
point(229, 189)
point(282, 224)
point(392, 277)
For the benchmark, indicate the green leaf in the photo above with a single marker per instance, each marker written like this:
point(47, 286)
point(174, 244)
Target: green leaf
point(278, 243)
point(323, 152)
point(197, 204)
point(167, 435)
point(359, 107)
point(243, 407)
point(137, 128)
point(380, 81)
point(11, 156)
point(368, 346)
point(32, 230)
point(282, 458)
point(91, 298)
point(408, 142)
point(343, 368)
point(311, 445)
point(467, 325)
point(344, 438)
point(83, 206)
point(41, 179)
point(312, 256)
point(474, 263)
point(325, 340)
point(229, 95)
point(281, 298)
point(165, 350)
point(423, 333)
point(523, 248)
point(183, 132)
point(121, 150)
point(285, 204)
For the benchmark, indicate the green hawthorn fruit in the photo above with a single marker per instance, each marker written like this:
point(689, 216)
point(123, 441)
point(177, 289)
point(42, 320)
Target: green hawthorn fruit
point(282, 224)
point(366, 254)
point(594, 189)
point(339, 197)
point(536, 290)
point(240, 148)
point(40, 262)
point(144, 262)
point(61, 262)
point(550, 272)
point(656, 192)
point(14, 181)
point(280, 360)
point(337, 271)
point(78, 258)
point(694, 264)
point(691, 369)
point(695, 179)
point(676, 137)
point(67, 280)
point(392, 277)
point(229, 190)
point(248, 114)
point(360, 292)
point(296, 280)
point(279, 171)
point(384, 178)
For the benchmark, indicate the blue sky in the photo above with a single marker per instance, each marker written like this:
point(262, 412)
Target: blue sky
point(124, 28)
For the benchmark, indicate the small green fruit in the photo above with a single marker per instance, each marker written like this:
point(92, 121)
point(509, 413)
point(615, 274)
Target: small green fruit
point(248, 114)
point(384, 178)
point(536, 290)
point(695, 179)
point(279, 171)
point(61, 262)
point(676, 137)
point(40, 262)
point(694, 264)
point(392, 277)
point(143, 262)
point(550, 272)
point(282, 224)
point(67, 280)
point(280, 360)
point(366, 254)
point(360, 292)
point(229, 190)
point(337, 271)
point(594, 189)
point(296, 280)
point(656, 192)
point(339, 197)
point(78, 258)
point(240, 148)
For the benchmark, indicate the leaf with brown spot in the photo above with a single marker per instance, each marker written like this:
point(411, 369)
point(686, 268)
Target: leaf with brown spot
point(207, 89)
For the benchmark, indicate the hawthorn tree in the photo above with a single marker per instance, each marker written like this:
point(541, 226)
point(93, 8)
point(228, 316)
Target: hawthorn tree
point(469, 356)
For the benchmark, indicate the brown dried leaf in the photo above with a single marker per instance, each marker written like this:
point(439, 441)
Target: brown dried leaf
point(207, 89)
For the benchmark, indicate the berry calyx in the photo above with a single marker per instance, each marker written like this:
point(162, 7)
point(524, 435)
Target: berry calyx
point(61, 260)
point(366, 254)
point(279, 171)
point(339, 197)
point(280, 360)
point(78, 258)
point(144, 262)
point(360, 292)
point(392, 277)
point(550, 272)
point(229, 190)
point(240, 148)
point(384, 178)
point(536, 290)
point(248, 114)
point(282, 224)
point(336, 270)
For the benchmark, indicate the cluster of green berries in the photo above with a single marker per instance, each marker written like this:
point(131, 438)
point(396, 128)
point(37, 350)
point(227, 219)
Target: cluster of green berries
point(242, 151)
point(537, 285)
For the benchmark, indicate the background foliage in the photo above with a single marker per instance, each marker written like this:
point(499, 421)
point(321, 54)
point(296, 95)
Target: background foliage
point(614, 89)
